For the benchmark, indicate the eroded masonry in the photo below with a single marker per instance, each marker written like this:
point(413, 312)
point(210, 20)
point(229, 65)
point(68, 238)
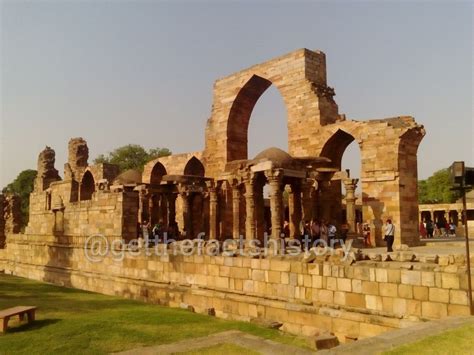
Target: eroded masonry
point(219, 191)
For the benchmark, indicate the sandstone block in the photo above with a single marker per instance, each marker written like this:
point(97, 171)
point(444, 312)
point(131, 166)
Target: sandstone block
point(388, 289)
point(410, 277)
point(405, 291)
point(370, 288)
point(439, 295)
point(434, 310)
point(449, 280)
point(458, 297)
point(420, 293)
point(323, 342)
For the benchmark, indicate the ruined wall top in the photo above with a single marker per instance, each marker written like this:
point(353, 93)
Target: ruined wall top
point(46, 170)
point(78, 155)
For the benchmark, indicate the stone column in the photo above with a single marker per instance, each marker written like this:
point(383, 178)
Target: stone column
point(460, 217)
point(172, 207)
point(212, 209)
point(164, 209)
point(187, 211)
point(143, 206)
point(259, 211)
point(315, 199)
point(350, 185)
point(235, 210)
point(294, 209)
point(274, 180)
point(249, 207)
point(306, 199)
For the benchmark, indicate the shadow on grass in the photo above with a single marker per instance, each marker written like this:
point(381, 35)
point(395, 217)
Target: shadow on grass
point(26, 327)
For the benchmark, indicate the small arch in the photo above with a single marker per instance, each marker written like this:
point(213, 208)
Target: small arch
point(157, 173)
point(87, 186)
point(194, 167)
point(335, 147)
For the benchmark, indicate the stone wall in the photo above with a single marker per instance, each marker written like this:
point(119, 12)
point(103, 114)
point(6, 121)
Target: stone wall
point(353, 301)
point(109, 213)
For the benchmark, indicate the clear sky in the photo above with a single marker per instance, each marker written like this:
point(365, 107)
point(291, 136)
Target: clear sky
point(119, 72)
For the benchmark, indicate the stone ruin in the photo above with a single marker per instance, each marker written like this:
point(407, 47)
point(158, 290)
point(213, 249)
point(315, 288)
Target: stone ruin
point(219, 191)
point(10, 216)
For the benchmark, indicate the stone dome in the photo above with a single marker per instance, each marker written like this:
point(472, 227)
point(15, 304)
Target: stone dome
point(129, 177)
point(275, 155)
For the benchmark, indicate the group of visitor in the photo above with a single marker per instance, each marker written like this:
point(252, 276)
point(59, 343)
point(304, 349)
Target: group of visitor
point(157, 231)
point(439, 228)
point(318, 230)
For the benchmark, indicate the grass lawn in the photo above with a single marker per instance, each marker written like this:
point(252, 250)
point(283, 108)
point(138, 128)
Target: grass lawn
point(73, 321)
point(458, 341)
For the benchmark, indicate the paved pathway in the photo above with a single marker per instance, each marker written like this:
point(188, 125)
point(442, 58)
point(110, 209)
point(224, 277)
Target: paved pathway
point(389, 340)
point(251, 342)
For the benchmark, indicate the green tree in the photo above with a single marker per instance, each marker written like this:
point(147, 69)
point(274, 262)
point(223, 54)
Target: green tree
point(131, 156)
point(437, 188)
point(23, 186)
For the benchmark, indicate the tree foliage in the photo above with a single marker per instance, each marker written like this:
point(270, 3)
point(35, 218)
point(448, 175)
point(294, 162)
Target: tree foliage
point(131, 156)
point(22, 186)
point(436, 189)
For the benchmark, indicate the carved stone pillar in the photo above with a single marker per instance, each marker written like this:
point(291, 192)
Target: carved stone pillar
point(249, 207)
point(350, 185)
point(314, 200)
point(187, 212)
point(274, 180)
point(294, 209)
point(143, 206)
point(306, 199)
point(212, 209)
point(460, 217)
point(172, 207)
point(164, 209)
point(235, 210)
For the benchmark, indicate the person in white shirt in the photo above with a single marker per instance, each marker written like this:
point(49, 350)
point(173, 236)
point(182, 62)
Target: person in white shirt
point(389, 231)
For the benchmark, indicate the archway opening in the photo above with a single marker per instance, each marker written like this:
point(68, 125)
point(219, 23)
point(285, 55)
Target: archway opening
point(337, 203)
point(157, 173)
point(351, 163)
point(87, 186)
point(270, 130)
point(268, 125)
point(194, 167)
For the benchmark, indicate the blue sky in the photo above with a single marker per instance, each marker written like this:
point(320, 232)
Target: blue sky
point(119, 72)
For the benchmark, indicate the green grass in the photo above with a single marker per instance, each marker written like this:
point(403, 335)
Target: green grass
point(457, 341)
point(228, 349)
point(73, 321)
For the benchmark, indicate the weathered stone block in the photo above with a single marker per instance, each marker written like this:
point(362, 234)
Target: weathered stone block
point(370, 288)
point(439, 295)
point(405, 291)
point(434, 310)
point(449, 280)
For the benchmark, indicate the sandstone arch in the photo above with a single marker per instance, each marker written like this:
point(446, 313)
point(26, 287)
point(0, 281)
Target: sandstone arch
point(87, 187)
point(157, 173)
point(300, 77)
point(194, 167)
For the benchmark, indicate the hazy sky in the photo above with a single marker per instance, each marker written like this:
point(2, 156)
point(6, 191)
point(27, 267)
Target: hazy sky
point(117, 72)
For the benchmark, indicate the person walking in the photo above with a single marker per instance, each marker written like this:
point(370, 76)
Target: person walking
point(429, 228)
point(366, 234)
point(389, 234)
